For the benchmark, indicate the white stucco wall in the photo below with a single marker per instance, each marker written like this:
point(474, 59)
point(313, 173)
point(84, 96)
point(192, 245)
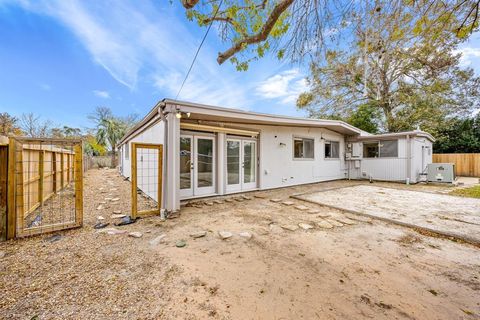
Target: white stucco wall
point(154, 134)
point(278, 168)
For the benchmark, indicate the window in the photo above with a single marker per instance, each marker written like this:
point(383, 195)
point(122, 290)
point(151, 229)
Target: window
point(127, 151)
point(381, 149)
point(332, 149)
point(303, 148)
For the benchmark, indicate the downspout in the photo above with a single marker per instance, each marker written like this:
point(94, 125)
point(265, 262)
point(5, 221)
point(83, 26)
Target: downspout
point(409, 159)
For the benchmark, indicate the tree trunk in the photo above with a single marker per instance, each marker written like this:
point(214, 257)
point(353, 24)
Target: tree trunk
point(113, 157)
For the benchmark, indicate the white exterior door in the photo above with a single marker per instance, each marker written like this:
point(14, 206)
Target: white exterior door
point(241, 165)
point(197, 165)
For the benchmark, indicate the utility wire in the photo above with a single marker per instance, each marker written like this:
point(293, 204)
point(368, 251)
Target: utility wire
point(198, 50)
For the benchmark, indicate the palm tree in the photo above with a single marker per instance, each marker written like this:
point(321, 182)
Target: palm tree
point(109, 129)
point(109, 132)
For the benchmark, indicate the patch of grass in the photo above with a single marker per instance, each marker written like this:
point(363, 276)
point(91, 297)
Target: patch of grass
point(472, 192)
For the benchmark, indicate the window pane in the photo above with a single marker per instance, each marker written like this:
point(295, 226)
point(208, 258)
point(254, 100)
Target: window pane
point(370, 150)
point(205, 162)
point(308, 148)
point(335, 149)
point(233, 162)
point(249, 163)
point(328, 149)
point(185, 162)
point(389, 148)
point(298, 148)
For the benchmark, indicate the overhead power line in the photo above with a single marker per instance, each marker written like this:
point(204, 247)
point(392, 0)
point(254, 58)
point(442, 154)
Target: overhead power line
point(198, 49)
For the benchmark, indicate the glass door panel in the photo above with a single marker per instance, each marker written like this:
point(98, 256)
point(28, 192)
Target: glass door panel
point(205, 166)
point(234, 165)
point(186, 166)
point(249, 163)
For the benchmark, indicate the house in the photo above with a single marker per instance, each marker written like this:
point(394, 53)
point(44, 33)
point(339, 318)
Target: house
point(209, 150)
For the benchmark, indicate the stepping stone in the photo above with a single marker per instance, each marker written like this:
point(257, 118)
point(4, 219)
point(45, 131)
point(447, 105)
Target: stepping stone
point(135, 234)
point(229, 200)
point(117, 211)
point(100, 225)
point(275, 200)
point(208, 203)
point(108, 198)
point(246, 197)
point(218, 201)
point(115, 199)
point(313, 211)
point(100, 218)
point(346, 221)
point(301, 207)
point(246, 235)
point(239, 199)
point(335, 223)
point(118, 216)
point(225, 234)
point(155, 241)
point(112, 231)
point(287, 203)
point(262, 231)
point(180, 243)
point(305, 226)
point(324, 224)
point(290, 227)
point(100, 207)
point(198, 234)
point(260, 196)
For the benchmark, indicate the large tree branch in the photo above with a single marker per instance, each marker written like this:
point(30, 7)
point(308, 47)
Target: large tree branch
point(189, 4)
point(260, 36)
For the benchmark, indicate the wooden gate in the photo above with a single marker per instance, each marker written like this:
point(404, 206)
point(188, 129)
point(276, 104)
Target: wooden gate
point(45, 186)
point(146, 165)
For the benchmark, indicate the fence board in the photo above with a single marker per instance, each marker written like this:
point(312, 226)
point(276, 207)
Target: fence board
point(466, 164)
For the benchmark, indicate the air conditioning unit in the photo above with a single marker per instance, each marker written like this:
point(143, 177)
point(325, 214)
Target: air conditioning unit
point(441, 172)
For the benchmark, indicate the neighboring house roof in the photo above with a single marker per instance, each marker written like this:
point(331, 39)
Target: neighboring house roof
point(414, 133)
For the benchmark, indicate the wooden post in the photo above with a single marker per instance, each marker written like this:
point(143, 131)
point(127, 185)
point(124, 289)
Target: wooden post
point(68, 168)
point(78, 167)
point(54, 171)
point(41, 173)
point(62, 171)
point(3, 191)
point(19, 203)
point(11, 216)
point(133, 159)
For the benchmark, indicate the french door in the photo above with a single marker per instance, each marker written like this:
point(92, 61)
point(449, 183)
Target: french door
point(197, 165)
point(241, 165)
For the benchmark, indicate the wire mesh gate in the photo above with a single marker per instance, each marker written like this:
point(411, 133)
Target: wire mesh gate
point(45, 185)
point(147, 164)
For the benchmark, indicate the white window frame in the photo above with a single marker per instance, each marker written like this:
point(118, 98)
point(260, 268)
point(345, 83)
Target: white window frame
point(293, 148)
point(330, 142)
point(127, 151)
point(379, 149)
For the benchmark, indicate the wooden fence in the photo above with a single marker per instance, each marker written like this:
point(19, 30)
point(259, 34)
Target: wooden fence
point(44, 185)
point(466, 164)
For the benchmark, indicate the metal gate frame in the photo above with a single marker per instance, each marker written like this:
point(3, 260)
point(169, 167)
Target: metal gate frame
point(15, 227)
point(136, 146)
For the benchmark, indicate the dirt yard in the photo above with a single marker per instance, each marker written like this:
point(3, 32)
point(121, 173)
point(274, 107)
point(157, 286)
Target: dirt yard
point(342, 267)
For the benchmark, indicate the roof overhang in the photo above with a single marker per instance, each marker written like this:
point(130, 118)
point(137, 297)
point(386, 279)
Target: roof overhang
point(384, 136)
point(209, 113)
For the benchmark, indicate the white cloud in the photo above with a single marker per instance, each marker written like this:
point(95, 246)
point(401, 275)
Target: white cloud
point(467, 54)
point(285, 86)
point(45, 87)
point(101, 94)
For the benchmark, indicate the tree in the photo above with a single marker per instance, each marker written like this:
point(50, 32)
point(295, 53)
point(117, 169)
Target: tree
point(33, 126)
point(9, 125)
point(411, 76)
point(459, 136)
point(66, 132)
point(110, 129)
point(365, 117)
point(304, 28)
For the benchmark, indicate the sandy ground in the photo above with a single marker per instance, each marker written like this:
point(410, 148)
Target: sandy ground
point(444, 213)
point(365, 270)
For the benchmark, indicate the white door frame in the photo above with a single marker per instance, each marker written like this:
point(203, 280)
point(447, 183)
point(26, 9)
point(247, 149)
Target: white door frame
point(199, 191)
point(242, 185)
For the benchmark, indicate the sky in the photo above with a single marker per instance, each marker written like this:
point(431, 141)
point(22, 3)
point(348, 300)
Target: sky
point(60, 59)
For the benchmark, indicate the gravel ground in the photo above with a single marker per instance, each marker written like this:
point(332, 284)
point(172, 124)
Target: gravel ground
point(357, 269)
